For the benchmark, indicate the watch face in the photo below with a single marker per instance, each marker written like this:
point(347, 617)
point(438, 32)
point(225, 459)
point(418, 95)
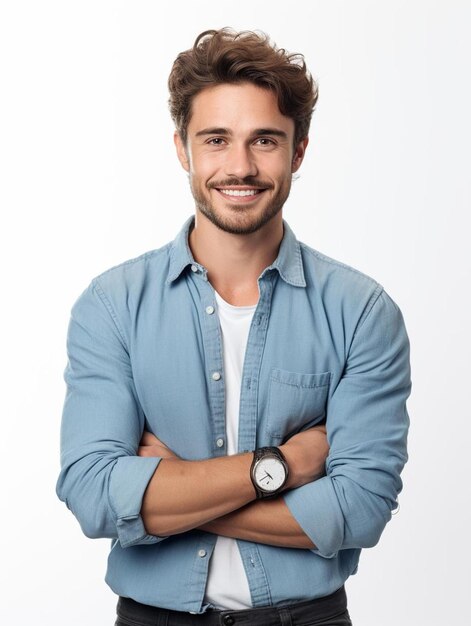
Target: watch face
point(269, 473)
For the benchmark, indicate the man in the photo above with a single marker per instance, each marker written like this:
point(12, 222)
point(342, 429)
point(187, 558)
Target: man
point(235, 415)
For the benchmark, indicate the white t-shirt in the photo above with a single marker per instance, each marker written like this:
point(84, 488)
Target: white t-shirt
point(227, 586)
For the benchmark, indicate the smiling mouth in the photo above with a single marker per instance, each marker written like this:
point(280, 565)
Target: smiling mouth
point(240, 195)
point(240, 192)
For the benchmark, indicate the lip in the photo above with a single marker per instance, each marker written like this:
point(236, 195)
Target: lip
point(241, 199)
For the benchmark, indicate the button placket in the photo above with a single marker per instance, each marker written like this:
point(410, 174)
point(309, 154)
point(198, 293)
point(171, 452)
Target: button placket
point(212, 343)
point(248, 420)
point(252, 364)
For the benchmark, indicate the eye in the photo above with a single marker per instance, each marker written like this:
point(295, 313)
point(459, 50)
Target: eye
point(217, 141)
point(266, 141)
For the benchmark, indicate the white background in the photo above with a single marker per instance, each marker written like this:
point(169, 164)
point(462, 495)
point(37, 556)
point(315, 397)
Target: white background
point(89, 178)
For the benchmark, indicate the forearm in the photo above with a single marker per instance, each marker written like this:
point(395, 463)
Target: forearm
point(270, 521)
point(264, 521)
point(182, 495)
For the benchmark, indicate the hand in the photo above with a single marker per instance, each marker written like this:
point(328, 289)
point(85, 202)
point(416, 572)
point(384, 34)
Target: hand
point(150, 445)
point(305, 454)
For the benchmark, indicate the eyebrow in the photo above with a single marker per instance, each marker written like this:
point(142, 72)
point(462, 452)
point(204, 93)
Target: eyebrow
point(276, 132)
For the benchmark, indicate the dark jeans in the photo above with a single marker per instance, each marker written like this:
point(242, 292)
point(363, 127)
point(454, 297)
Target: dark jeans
point(328, 611)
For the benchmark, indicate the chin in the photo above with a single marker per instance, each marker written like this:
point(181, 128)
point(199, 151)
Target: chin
point(239, 225)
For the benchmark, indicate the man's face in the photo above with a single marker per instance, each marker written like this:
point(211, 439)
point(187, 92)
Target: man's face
point(239, 156)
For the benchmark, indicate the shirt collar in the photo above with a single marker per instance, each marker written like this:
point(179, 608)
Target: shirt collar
point(288, 263)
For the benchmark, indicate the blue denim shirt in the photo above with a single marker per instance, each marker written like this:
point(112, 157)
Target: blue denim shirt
point(326, 343)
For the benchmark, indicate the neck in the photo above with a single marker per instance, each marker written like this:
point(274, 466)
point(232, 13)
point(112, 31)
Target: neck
point(234, 262)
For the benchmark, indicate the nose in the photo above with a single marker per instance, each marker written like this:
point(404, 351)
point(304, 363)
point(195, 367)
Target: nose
point(240, 162)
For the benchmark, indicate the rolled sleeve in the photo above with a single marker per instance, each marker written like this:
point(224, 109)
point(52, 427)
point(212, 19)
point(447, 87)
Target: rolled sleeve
point(102, 480)
point(318, 513)
point(128, 482)
point(367, 426)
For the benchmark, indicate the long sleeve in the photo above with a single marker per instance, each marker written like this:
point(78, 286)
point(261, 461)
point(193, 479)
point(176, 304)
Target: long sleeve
point(367, 425)
point(102, 481)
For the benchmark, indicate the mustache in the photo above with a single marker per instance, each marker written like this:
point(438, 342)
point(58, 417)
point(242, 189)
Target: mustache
point(235, 182)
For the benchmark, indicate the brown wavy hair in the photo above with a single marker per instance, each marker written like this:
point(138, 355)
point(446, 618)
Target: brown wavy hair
point(226, 56)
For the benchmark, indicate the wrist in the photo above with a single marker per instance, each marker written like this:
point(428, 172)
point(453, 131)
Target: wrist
point(293, 478)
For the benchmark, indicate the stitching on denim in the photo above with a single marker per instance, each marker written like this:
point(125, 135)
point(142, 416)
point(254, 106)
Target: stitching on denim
point(141, 257)
point(369, 307)
point(299, 267)
point(322, 257)
point(107, 304)
point(282, 382)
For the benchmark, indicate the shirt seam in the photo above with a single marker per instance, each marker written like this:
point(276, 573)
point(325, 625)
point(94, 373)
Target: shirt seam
point(369, 307)
point(142, 257)
point(107, 304)
point(111, 503)
point(322, 257)
point(373, 299)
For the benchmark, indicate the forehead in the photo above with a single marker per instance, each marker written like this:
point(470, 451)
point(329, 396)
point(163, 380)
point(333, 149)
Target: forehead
point(240, 107)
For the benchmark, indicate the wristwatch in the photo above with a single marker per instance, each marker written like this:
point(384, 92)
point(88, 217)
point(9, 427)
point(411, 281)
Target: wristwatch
point(269, 472)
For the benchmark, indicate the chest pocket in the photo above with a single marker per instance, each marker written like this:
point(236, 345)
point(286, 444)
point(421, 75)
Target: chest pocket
point(295, 402)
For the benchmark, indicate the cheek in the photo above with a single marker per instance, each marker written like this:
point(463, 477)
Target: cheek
point(278, 168)
point(198, 178)
point(204, 170)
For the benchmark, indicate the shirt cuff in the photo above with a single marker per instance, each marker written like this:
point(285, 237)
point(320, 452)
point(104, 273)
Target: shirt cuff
point(128, 482)
point(316, 509)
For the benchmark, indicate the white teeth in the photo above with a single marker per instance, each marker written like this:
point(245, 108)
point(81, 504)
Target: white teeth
point(240, 192)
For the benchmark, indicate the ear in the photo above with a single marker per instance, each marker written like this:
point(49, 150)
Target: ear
point(181, 151)
point(298, 155)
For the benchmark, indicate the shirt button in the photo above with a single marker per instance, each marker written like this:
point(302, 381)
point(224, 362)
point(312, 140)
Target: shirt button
point(194, 268)
point(228, 620)
point(209, 310)
point(202, 553)
point(216, 376)
point(220, 442)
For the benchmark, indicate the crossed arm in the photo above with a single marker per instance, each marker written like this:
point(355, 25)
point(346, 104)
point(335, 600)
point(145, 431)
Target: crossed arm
point(102, 480)
point(217, 495)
